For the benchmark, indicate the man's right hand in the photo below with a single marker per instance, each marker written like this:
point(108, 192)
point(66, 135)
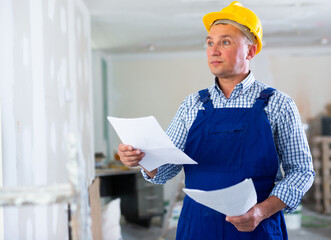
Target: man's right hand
point(129, 156)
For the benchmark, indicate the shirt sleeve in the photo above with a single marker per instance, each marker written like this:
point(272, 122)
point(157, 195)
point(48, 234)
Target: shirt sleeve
point(177, 132)
point(294, 156)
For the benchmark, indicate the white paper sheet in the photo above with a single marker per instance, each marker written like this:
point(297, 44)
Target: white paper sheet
point(147, 135)
point(232, 201)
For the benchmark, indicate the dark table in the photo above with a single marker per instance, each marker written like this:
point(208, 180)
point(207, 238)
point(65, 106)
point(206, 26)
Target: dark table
point(140, 200)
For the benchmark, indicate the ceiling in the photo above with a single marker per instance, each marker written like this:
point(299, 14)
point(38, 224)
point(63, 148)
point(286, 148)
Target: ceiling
point(125, 26)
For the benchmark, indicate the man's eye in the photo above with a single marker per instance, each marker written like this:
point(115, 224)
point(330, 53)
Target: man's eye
point(226, 42)
point(210, 43)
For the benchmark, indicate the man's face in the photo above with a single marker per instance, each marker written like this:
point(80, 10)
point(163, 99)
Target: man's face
point(227, 51)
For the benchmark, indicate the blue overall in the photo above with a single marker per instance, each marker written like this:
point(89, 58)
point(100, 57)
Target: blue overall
point(230, 145)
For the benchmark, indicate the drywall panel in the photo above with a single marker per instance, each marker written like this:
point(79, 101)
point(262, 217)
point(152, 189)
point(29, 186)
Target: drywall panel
point(8, 120)
point(1, 182)
point(45, 91)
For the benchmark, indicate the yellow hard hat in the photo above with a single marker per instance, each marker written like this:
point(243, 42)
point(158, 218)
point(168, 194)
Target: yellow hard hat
point(238, 13)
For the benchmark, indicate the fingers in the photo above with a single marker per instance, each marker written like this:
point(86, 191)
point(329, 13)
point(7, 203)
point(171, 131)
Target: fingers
point(244, 223)
point(123, 148)
point(128, 151)
point(238, 220)
point(130, 156)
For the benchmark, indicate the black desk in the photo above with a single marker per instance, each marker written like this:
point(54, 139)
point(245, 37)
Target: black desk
point(140, 200)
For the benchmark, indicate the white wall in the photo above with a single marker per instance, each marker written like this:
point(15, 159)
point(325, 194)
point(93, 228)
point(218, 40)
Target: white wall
point(146, 84)
point(302, 73)
point(156, 83)
point(45, 94)
point(99, 142)
point(104, 141)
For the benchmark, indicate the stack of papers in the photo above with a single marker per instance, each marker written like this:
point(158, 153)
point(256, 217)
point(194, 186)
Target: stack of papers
point(147, 135)
point(232, 201)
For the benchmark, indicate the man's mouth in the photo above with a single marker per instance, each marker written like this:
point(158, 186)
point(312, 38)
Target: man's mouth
point(215, 62)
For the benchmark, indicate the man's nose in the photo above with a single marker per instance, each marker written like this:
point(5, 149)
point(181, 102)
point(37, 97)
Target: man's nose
point(215, 51)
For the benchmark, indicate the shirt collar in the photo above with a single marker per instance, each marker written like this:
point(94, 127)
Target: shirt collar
point(241, 87)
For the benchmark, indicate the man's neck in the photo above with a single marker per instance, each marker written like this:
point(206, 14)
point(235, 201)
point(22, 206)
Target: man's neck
point(227, 85)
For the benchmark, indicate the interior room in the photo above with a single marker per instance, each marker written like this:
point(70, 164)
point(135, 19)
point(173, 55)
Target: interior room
point(66, 65)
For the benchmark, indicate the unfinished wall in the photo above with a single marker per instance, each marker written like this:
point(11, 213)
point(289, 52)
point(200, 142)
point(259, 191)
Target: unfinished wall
point(45, 94)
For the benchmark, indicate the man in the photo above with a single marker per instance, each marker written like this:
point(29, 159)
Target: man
point(237, 129)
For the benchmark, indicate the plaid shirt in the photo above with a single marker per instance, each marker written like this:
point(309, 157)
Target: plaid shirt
point(295, 174)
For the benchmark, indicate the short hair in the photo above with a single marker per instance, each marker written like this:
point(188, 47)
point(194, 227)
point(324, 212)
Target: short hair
point(245, 30)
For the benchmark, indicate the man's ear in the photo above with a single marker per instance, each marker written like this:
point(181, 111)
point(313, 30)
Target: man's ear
point(251, 51)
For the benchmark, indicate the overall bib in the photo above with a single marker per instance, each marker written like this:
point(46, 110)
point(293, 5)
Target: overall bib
point(230, 145)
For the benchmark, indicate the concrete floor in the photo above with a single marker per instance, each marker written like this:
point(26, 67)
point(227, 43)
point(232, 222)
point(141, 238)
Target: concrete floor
point(314, 227)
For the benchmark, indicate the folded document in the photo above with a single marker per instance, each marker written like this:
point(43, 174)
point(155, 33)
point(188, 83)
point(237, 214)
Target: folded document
point(232, 201)
point(147, 135)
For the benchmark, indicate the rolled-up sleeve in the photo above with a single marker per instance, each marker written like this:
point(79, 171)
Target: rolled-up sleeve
point(294, 156)
point(164, 173)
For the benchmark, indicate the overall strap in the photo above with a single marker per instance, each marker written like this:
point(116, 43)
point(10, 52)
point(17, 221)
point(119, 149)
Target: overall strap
point(205, 99)
point(262, 101)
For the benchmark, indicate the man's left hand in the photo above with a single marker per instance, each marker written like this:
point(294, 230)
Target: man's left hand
point(249, 221)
